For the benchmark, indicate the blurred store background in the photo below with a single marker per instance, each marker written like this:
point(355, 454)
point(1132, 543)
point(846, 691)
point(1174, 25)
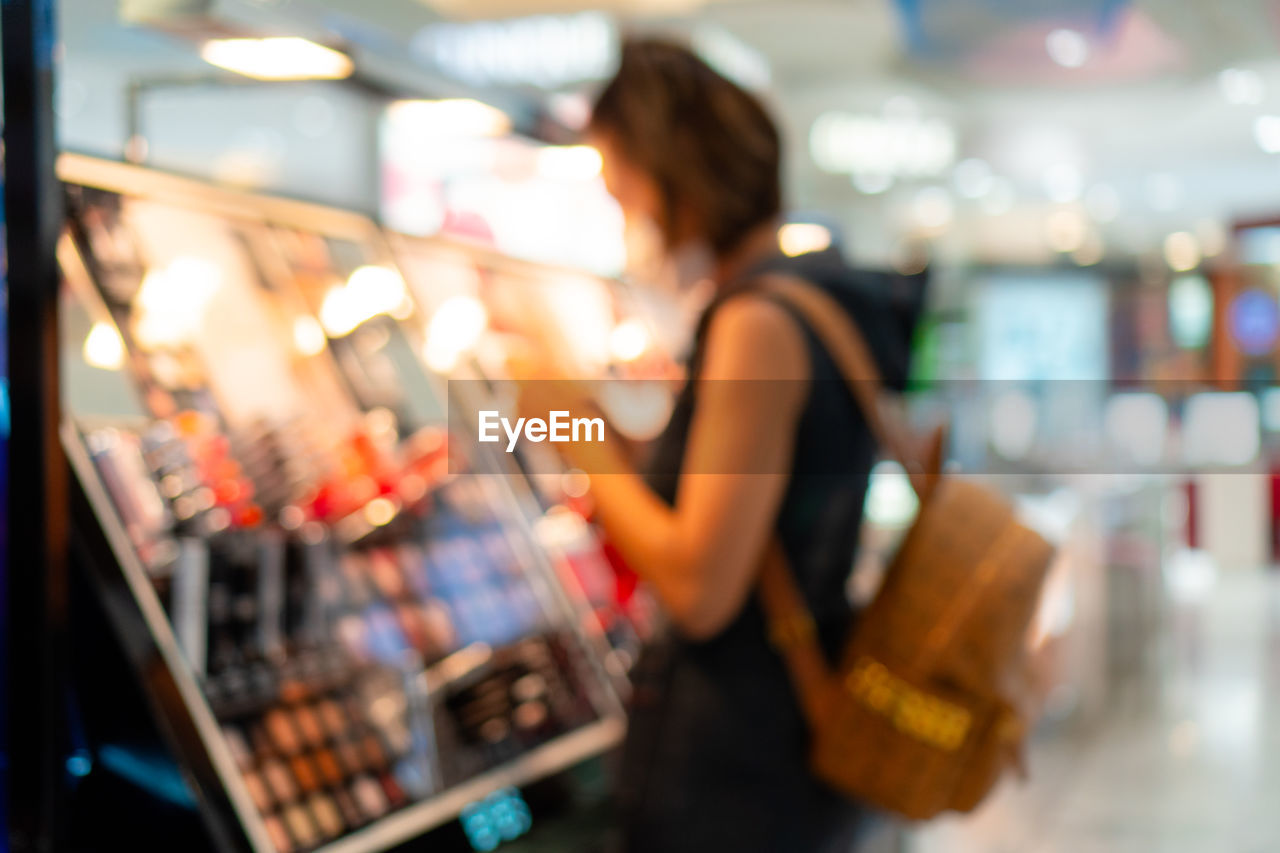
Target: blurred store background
point(289, 220)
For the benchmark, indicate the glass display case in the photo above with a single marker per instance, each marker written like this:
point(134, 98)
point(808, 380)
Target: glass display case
point(350, 629)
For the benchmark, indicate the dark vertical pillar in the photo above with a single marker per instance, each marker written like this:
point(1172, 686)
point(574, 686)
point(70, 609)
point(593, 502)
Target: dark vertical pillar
point(38, 508)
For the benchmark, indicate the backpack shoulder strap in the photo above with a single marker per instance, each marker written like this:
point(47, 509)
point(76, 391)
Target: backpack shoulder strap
point(840, 337)
point(791, 626)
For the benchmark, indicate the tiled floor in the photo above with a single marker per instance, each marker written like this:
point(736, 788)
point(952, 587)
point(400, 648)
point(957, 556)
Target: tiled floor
point(1183, 757)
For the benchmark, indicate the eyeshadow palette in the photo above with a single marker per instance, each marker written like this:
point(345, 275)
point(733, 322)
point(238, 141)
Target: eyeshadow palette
point(314, 758)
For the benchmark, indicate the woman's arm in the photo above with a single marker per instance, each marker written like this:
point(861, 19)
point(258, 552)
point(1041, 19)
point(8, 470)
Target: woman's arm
point(701, 556)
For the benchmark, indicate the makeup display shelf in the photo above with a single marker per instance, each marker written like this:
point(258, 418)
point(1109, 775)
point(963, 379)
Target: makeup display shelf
point(347, 616)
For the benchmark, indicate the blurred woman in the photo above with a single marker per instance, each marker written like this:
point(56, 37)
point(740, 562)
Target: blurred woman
point(715, 757)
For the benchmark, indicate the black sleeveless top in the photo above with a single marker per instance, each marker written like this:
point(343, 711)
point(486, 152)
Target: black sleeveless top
point(716, 749)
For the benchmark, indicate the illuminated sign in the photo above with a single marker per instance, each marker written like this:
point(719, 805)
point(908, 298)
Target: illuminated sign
point(1254, 321)
point(1037, 327)
point(546, 51)
point(892, 145)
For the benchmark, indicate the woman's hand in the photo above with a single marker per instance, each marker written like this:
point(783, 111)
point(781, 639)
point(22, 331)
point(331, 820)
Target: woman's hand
point(542, 388)
point(541, 384)
point(538, 397)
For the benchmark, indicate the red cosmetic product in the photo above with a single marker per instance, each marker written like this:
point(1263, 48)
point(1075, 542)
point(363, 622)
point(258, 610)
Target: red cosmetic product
point(374, 755)
point(328, 766)
point(293, 690)
point(395, 794)
point(282, 732)
point(305, 772)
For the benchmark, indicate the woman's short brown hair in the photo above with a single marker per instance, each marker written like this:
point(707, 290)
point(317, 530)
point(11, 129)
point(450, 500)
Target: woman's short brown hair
point(710, 146)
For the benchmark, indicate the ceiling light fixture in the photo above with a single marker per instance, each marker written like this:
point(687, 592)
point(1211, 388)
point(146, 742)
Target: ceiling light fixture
point(1242, 86)
point(278, 58)
point(1182, 251)
point(449, 117)
point(1266, 130)
point(1068, 48)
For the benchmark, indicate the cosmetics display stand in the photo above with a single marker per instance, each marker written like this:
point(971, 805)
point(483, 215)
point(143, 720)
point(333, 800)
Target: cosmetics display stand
point(341, 608)
point(570, 314)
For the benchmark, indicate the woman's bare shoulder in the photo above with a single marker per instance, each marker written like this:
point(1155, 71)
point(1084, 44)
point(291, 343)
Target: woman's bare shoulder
point(753, 337)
